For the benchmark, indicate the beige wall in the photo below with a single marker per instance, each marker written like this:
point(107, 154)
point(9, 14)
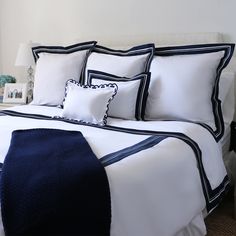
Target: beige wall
point(65, 21)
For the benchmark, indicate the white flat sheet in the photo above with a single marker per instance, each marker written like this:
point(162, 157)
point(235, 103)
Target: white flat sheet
point(154, 192)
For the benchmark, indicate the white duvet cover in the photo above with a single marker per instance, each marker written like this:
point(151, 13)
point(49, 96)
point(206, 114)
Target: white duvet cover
point(154, 192)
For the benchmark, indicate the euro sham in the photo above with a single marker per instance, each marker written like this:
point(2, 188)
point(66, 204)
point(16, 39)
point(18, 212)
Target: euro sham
point(54, 66)
point(184, 84)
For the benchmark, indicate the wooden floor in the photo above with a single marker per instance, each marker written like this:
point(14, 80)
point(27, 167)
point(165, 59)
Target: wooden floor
point(221, 221)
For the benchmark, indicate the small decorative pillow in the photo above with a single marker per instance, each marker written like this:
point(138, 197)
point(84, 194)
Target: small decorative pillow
point(88, 104)
point(185, 84)
point(130, 101)
point(53, 68)
point(123, 63)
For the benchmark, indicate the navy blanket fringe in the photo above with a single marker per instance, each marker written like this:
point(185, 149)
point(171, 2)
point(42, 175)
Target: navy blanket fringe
point(53, 184)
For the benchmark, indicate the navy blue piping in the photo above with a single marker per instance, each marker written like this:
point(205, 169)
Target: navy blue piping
point(199, 123)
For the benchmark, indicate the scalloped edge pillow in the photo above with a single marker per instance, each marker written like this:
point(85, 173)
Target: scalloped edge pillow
point(87, 103)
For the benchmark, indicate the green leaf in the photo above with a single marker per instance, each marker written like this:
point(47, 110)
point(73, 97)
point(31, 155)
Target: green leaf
point(6, 79)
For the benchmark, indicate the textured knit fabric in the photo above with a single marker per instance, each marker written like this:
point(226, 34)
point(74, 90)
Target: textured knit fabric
point(53, 184)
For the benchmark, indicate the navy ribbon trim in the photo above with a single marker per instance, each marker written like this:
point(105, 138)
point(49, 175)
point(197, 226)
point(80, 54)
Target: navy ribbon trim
point(119, 155)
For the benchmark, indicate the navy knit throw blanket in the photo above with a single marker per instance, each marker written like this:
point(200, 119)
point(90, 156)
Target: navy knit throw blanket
point(53, 184)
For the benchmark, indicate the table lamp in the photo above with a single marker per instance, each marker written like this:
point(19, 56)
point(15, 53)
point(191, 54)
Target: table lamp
point(25, 58)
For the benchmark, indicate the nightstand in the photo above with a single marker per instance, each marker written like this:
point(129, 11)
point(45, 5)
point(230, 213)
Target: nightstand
point(233, 148)
point(233, 136)
point(7, 105)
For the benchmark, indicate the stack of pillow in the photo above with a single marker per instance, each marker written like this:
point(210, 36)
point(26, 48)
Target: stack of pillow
point(92, 82)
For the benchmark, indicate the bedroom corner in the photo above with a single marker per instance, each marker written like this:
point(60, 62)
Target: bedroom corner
point(119, 115)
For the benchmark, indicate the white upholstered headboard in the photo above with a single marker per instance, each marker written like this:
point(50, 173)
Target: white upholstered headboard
point(158, 39)
point(127, 41)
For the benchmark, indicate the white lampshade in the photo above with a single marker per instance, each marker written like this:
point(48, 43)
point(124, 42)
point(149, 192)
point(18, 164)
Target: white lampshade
point(24, 55)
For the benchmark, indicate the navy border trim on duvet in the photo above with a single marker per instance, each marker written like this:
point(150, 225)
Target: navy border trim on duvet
point(120, 155)
point(212, 196)
point(228, 49)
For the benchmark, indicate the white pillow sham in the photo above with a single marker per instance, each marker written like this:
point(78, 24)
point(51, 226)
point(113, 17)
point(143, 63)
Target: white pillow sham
point(88, 104)
point(130, 100)
point(123, 63)
point(53, 68)
point(184, 84)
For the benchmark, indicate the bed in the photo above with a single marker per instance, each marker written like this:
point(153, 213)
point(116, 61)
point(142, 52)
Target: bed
point(164, 167)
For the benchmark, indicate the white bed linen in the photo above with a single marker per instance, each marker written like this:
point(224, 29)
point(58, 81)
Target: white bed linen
point(154, 192)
